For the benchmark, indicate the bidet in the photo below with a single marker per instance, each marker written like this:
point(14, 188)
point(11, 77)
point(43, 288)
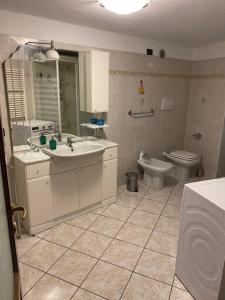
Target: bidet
point(155, 171)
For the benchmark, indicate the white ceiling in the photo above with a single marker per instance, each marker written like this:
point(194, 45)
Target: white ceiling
point(187, 22)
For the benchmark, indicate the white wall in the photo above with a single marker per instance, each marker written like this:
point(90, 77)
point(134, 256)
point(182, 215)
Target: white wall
point(216, 50)
point(45, 29)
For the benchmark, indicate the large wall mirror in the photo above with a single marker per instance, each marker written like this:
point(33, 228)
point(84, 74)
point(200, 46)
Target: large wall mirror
point(43, 93)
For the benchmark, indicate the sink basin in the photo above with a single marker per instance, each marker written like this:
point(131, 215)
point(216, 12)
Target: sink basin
point(79, 149)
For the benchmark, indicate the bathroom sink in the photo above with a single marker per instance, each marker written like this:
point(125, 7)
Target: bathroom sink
point(79, 149)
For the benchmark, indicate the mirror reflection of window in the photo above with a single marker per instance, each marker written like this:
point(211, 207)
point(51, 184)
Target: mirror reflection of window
point(45, 85)
point(16, 94)
point(68, 76)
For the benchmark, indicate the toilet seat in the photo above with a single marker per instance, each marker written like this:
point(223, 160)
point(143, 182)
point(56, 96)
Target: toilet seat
point(184, 155)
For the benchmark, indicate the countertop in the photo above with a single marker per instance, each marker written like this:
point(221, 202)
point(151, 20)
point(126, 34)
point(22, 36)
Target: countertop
point(30, 157)
point(106, 143)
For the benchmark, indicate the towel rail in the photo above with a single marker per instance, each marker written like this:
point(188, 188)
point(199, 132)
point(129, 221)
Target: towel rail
point(142, 114)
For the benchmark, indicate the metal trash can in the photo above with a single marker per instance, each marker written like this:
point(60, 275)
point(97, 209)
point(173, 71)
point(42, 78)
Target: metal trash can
point(132, 181)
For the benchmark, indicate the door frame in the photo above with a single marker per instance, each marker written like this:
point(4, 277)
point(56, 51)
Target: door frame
point(17, 290)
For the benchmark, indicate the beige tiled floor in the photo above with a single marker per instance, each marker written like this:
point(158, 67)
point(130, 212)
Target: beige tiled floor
point(118, 212)
point(125, 251)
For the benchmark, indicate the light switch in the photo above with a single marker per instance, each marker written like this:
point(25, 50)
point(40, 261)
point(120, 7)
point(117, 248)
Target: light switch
point(167, 104)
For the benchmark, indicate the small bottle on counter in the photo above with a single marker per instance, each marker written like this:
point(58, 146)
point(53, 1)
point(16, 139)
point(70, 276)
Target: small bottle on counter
point(142, 155)
point(52, 143)
point(42, 139)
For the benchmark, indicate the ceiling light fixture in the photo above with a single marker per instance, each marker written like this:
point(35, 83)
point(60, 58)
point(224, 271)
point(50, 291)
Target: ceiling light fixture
point(50, 54)
point(124, 7)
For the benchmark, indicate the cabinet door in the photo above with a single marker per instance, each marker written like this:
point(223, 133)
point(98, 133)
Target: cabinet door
point(40, 200)
point(94, 81)
point(109, 179)
point(100, 81)
point(65, 188)
point(90, 185)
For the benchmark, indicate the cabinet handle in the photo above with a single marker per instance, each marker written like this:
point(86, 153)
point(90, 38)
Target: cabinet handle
point(38, 171)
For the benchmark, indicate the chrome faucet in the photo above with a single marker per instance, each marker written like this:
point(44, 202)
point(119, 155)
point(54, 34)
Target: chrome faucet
point(58, 135)
point(69, 143)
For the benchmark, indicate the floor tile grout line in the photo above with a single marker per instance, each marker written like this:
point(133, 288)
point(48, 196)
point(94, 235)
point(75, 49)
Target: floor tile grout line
point(80, 285)
point(118, 239)
point(141, 255)
point(148, 211)
point(65, 222)
point(172, 286)
point(115, 203)
point(87, 229)
point(28, 249)
point(69, 248)
point(96, 220)
point(81, 288)
point(99, 259)
point(175, 270)
point(46, 272)
point(152, 278)
point(102, 233)
point(34, 284)
point(160, 252)
point(120, 218)
point(44, 238)
point(102, 256)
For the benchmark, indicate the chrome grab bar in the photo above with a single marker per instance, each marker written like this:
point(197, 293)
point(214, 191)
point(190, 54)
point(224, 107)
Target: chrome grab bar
point(143, 114)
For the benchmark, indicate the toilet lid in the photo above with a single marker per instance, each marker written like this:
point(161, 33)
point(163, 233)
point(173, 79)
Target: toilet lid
point(185, 155)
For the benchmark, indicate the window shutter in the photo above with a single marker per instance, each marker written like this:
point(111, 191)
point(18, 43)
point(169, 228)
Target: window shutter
point(16, 94)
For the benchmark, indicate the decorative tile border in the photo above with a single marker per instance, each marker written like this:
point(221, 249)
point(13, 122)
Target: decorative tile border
point(208, 76)
point(165, 75)
point(147, 74)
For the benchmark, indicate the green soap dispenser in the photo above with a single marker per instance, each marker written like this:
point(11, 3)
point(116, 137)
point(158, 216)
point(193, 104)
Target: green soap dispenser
point(42, 139)
point(52, 143)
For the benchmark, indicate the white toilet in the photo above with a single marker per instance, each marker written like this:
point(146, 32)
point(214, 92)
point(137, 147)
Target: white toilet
point(155, 171)
point(183, 161)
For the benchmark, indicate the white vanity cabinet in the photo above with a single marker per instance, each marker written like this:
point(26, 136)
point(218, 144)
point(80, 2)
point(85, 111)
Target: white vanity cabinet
point(52, 190)
point(109, 175)
point(94, 81)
